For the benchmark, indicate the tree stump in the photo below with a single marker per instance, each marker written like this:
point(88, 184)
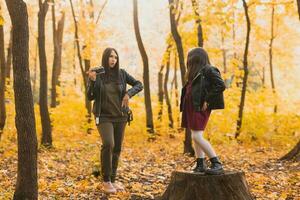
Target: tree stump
point(231, 185)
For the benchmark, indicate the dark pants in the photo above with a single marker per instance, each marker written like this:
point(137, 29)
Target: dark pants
point(112, 134)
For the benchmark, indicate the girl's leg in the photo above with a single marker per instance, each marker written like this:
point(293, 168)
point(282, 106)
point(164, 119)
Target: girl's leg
point(198, 151)
point(203, 143)
point(119, 128)
point(216, 166)
point(106, 133)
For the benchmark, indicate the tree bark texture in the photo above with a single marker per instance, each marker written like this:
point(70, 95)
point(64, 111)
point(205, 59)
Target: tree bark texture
point(149, 115)
point(27, 185)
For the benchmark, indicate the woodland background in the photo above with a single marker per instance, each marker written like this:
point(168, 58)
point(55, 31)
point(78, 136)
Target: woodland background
point(254, 43)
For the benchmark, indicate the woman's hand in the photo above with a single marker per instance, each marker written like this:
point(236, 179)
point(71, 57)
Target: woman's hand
point(205, 106)
point(91, 74)
point(125, 100)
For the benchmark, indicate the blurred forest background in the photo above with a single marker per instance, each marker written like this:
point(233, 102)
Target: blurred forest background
point(255, 44)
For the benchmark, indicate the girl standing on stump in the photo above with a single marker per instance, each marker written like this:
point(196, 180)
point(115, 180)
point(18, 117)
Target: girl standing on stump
point(107, 87)
point(202, 93)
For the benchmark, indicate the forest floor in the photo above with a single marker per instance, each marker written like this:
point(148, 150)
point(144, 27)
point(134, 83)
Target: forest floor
point(65, 171)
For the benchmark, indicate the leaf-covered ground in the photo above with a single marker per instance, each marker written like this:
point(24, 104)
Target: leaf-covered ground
point(65, 171)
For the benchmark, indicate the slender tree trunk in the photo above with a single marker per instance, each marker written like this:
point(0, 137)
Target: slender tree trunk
point(166, 91)
point(175, 80)
point(2, 80)
point(60, 31)
point(198, 22)
point(263, 76)
point(160, 92)
point(43, 99)
point(91, 9)
point(233, 33)
point(27, 185)
point(224, 52)
point(55, 51)
point(293, 154)
point(188, 148)
point(35, 71)
point(74, 60)
point(298, 4)
point(245, 78)
point(149, 116)
point(160, 82)
point(178, 41)
point(88, 105)
point(84, 76)
point(271, 57)
point(8, 59)
point(83, 70)
point(100, 12)
point(57, 42)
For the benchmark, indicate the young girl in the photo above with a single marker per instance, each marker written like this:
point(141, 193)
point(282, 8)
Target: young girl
point(107, 87)
point(202, 93)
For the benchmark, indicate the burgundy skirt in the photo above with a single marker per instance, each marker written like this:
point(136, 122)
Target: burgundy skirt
point(190, 118)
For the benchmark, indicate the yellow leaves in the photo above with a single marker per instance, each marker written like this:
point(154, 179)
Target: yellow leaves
point(1, 20)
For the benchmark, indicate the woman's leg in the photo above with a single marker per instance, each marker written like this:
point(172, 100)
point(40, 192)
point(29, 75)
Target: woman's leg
point(106, 132)
point(198, 150)
point(216, 166)
point(203, 143)
point(119, 128)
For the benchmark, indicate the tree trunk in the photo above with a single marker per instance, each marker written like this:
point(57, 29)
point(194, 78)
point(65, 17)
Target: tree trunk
point(224, 52)
point(88, 105)
point(55, 51)
point(245, 78)
point(178, 41)
point(35, 71)
point(188, 139)
point(27, 185)
point(57, 42)
point(149, 116)
point(298, 5)
point(294, 154)
point(9, 58)
point(84, 75)
point(60, 31)
point(198, 186)
point(198, 23)
point(2, 81)
point(175, 81)
point(166, 91)
point(43, 99)
point(74, 60)
point(160, 92)
point(160, 81)
point(271, 57)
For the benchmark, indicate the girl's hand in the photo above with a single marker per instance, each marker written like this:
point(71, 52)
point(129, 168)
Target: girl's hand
point(205, 106)
point(125, 100)
point(91, 74)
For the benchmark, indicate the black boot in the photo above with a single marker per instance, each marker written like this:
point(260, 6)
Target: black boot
point(216, 167)
point(200, 165)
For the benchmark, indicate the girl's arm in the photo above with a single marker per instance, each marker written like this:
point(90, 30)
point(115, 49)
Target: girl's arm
point(137, 86)
point(218, 85)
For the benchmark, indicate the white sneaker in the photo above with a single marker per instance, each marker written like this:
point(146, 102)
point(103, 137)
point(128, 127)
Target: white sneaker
point(118, 186)
point(109, 188)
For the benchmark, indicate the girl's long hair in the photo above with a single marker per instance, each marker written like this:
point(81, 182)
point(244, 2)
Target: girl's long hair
point(197, 59)
point(111, 74)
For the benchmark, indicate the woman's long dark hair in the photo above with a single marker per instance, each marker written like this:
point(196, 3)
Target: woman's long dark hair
point(111, 74)
point(197, 59)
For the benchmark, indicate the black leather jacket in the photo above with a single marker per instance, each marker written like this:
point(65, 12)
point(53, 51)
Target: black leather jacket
point(206, 86)
point(96, 90)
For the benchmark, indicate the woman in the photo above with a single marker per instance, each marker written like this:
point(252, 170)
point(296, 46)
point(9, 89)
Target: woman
point(107, 87)
point(202, 93)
